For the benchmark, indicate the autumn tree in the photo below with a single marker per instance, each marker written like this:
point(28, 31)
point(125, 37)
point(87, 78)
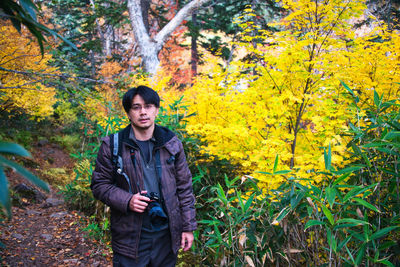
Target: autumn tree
point(22, 84)
point(294, 104)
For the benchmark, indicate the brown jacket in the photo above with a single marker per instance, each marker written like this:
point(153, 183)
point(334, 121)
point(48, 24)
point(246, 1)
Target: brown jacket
point(113, 190)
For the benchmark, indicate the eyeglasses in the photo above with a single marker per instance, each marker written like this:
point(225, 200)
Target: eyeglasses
point(146, 107)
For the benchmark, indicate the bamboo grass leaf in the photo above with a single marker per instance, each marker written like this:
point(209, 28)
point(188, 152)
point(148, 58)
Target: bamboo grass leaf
point(222, 195)
point(330, 195)
point(282, 214)
point(239, 196)
point(4, 194)
point(282, 172)
point(351, 220)
point(328, 158)
point(377, 100)
point(249, 201)
point(276, 163)
point(351, 256)
point(24, 172)
point(360, 254)
point(353, 192)
point(385, 262)
point(341, 178)
point(349, 170)
point(328, 214)
point(366, 204)
point(343, 243)
point(356, 98)
point(383, 232)
point(13, 149)
point(313, 223)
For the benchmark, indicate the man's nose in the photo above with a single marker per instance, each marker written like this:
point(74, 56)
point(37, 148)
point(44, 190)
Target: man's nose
point(143, 110)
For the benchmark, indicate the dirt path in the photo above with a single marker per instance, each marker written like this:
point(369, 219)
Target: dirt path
point(44, 232)
point(49, 236)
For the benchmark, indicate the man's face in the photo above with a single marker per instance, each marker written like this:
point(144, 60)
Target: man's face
point(142, 115)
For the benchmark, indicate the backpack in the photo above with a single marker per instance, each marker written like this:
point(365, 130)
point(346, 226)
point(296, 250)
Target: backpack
point(115, 147)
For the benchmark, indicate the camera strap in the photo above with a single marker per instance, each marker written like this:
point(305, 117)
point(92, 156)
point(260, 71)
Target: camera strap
point(159, 171)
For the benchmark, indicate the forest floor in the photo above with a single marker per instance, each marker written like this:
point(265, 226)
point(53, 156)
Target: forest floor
point(43, 231)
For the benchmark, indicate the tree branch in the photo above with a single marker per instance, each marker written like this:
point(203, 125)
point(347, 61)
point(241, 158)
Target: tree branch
point(64, 76)
point(177, 20)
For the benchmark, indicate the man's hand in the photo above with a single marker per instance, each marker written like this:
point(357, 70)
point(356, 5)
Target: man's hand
point(187, 240)
point(138, 203)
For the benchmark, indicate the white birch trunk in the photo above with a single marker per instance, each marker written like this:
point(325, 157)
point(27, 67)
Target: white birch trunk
point(150, 47)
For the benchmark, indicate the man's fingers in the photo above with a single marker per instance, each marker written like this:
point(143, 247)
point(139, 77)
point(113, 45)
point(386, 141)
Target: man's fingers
point(188, 244)
point(187, 240)
point(183, 241)
point(138, 203)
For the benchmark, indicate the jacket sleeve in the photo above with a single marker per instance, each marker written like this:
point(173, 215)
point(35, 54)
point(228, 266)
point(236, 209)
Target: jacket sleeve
point(185, 191)
point(103, 186)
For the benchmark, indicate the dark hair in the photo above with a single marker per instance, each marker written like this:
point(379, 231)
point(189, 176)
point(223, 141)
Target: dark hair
point(149, 96)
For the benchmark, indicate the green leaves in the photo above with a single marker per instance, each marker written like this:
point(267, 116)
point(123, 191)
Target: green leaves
point(313, 223)
point(383, 232)
point(274, 170)
point(366, 204)
point(14, 149)
point(351, 221)
point(27, 174)
point(356, 191)
point(282, 214)
point(221, 194)
point(24, 13)
point(330, 195)
point(356, 98)
point(328, 214)
point(328, 158)
point(4, 195)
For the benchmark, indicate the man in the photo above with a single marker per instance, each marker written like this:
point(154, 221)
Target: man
point(151, 197)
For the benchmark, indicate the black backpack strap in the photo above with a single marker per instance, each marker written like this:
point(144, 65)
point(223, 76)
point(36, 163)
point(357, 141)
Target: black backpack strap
point(116, 148)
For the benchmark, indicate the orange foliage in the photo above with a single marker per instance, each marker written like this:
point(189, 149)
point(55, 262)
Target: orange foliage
point(175, 59)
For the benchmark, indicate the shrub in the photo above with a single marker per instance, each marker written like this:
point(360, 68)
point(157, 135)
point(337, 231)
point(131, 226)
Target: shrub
point(350, 218)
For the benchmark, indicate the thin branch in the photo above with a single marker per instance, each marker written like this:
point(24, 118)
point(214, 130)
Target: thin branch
point(333, 26)
point(17, 57)
point(64, 76)
point(22, 86)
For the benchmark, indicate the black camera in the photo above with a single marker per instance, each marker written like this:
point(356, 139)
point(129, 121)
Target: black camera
point(156, 212)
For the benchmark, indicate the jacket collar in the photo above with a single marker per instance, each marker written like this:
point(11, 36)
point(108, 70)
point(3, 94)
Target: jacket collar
point(161, 136)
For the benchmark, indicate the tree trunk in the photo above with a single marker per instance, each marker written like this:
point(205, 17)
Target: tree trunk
point(194, 52)
point(145, 6)
point(105, 37)
point(149, 48)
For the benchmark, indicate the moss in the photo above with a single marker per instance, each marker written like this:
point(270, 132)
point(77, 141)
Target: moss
point(57, 176)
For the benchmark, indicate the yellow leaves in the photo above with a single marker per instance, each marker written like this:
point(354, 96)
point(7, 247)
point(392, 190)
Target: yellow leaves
point(251, 124)
point(20, 57)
